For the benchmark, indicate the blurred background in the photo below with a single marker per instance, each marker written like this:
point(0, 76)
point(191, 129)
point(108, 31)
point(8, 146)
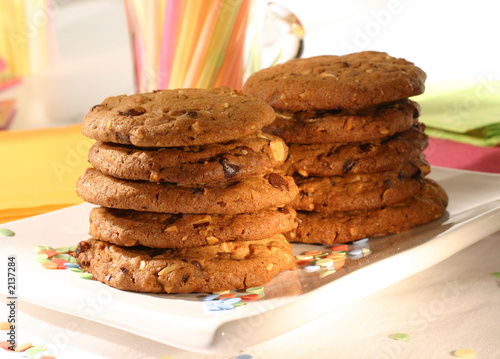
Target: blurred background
point(455, 42)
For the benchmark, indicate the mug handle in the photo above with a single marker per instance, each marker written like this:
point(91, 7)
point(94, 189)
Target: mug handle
point(288, 41)
point(295, 28)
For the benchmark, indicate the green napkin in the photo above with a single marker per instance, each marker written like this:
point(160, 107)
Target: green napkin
point(464, 114)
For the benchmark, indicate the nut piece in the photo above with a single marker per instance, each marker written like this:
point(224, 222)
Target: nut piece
point(348, 124)
point(278, 182)
point(212, 240)
point(172, 229)
point(196, 127)
point(383, 131)
point(278, 150)
point(168, 269)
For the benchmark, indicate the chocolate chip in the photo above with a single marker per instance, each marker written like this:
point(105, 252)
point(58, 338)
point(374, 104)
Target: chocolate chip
point(366, 147)
point(123, 137)
point(245, 148)
point(153, 252)
point(284, 210)
point(171, 219)
point(222, 204)
point(202, 224)
point(229, 169)
point(419, 176)
point(302, 194)
point(123, 269)
point(416, 113)
point(132, 112)
point(82, 246)
point(197, 190)
point(197, 264)
point(185, 278)
point(78, 250)
point(135, 112)
point(278, 182)
point(348, 165)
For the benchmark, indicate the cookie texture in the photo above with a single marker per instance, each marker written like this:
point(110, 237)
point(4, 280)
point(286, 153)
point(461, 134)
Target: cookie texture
point(240, 196)
point(230, 265)
point(182, 117)
point(340, 227)
point(373, 123)
point(358, 191)
point(339, 159)
point(252, 156)
point(163, 230)
point(351, 81)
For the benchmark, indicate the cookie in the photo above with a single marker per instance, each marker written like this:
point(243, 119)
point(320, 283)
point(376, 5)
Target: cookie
point(351, 81)
point(339, 159)
point(358, 191)
point(232, 197)
point(340, 227)
point(365, 125)
point(229, 265)
point(162, 230)
point(172, 118)
point(252, 156)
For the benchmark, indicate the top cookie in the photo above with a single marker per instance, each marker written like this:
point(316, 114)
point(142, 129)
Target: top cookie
point(336, 82)
point(182, 117)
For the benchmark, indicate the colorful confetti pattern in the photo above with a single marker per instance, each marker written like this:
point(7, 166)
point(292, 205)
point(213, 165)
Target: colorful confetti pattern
point(228, 300)
point(329, 261)
point(60, 258)
point(322, 262)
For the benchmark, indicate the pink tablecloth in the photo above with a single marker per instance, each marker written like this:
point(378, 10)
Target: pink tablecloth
point(452, 154)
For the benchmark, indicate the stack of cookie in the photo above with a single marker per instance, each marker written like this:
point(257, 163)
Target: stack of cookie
point(189, 199)
point(355, 144)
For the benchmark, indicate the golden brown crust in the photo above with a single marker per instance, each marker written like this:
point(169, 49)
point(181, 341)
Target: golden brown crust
point(328, 82)
point(230, 265)
point(252, 156)
point(370, 124)
point(162, 230)
point(359, 157)
point(358, 191)
point(172, 118)
point(245, 195)
point(340, 227)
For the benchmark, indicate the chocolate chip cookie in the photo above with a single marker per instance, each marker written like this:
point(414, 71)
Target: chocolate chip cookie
point(226, 266)
point(339, 159)
point(162, 230)
point(232, 197)
point(365, 125)
point(252, 156)
point(351, 81)
point(358, 191)
point(426, 205)
point(172, 118)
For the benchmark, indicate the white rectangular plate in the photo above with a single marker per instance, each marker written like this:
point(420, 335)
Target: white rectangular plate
point(292, 299)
